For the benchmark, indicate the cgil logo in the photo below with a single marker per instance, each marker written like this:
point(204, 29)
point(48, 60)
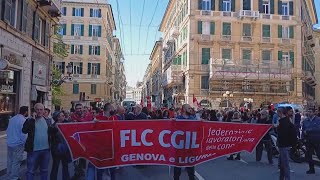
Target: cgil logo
point(188, 141)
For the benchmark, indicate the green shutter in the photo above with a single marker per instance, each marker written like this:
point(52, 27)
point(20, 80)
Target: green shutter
point(280, 7)
point(73, 11)
point(91, 12)
point(64, 29)
point(205, 56)
point(81, 67)
point(99, 31)
point(81, 49)
point(98, 50)
point(72, 49)
point(200, 4)
point(279, 31)
point(82, 12)
point(90, 50)
point(199, 27)
point(292, 58)
point(89, 68)
point(291, 8)
point(280, 55)
point(98, 69)
point(213, 5)
point(82, 30)
point(90, 30)
point(291, 32)
point(75, 89)
point(233, 5)
point(212, 28)
point(261, 10)
point(72, 29)
point(271, 6)
point(220, 5)
point(226, 29)
point(265, 30)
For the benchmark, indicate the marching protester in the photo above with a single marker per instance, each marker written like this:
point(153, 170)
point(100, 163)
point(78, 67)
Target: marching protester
point(15, 143)
point(287, 138)
point(235, 119)
point(213, 115)
point(166, 114)
point(121, 113)
point(37, 144)
point(186, 114)
point(311, 135)
point(47, 116)
point(108, 114)
point(266, 140)
point(138, 114)
point(59, 149)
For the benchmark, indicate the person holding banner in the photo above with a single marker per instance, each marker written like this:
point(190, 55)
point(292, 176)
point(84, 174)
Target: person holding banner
point(186, 114)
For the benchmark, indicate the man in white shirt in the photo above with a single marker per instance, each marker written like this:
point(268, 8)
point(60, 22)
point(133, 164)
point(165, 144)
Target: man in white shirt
point(15, 142)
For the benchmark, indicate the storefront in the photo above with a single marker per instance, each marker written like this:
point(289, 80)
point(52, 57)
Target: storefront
point(40, 89)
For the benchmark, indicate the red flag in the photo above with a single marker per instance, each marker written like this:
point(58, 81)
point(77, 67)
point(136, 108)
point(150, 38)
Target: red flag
point(174, 143)
point(195, 101)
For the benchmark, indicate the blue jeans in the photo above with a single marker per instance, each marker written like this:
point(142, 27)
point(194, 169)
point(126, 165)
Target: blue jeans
point(284, 163)
point(93, 171)
point(38, 159)
point(14, 160)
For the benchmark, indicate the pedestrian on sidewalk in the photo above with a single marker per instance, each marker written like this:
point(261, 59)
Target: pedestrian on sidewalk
point(15, 143)
point(287, 138)
point(186, 114)
point(59, 148)
point(37, 144)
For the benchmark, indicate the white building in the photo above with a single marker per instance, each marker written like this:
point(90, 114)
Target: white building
point(134, 93)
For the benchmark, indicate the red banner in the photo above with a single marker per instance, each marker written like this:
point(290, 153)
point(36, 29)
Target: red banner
point(166, 142)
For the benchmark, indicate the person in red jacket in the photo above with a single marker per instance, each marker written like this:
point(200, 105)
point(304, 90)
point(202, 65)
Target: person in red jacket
point(80, 115)
point(108, 114)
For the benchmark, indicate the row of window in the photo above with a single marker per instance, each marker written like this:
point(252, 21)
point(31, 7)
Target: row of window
point(78, 30)
point(79, 12)
point(247, 54)
point(77, 68)
point(20, 15)
point(78, 49)
point(208, 28)
point(76, 89)
point(265, 6)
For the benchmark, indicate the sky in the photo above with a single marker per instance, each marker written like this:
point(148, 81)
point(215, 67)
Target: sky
point(137, 50)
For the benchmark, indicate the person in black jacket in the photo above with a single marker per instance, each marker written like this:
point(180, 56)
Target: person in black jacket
point(37, 145)
point(266, 140)
point(138, 114)
point(59, 149)
point(287, 137)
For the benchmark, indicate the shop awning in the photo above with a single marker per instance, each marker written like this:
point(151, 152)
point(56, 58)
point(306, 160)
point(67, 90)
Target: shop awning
point(42, 89)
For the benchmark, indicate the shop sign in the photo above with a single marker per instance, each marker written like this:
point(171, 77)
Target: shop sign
point(12, 58)
point(6, 88)
point(39, 75)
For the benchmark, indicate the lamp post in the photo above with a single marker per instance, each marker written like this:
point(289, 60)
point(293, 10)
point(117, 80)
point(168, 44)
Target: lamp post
point(58, 82)
point(226, 95)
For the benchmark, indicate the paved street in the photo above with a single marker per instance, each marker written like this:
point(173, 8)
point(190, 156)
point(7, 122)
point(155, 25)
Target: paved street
point(221, 169)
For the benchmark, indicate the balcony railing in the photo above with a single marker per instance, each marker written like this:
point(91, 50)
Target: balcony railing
point(266, 16)
point(247, 38)
point(205, 13)
point(226, 14)
point(205, 37)
point(226, 37)
point(266, 39)
point(285, 17)
point(249, 13)
point(286, 40)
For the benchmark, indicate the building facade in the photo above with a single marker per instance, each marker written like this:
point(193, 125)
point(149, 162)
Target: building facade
point(87, 27)
point(316, 41)
point(134, 93)
point(118, 73)
point(225, 52)
point(26, 27)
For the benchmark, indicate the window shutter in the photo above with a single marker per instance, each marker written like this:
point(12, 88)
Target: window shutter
point(233, 5)
point(99, 31)
point(81, 66)
point(212, 28)
point(90, 50)
point(265, 30)
point(98, 50)
point(220, 5)
point(280, 55)
point(213, 5)
point(65, 10)
point(89, 68)
point(291, 32)
point(280, 7)
point(24, 16)
point(72, 29)
point(7, 14)
point(291, 8)
point(73, 11)
point(261, 6)
point(81, 49)
point(82, 30)
point(91, 12)
point(98, 68)
point(199, 27)
point(72, 49)
point(292, 58)
point(205, 55)
point(99, 13)
point(64, 26)
point(63, 67)
point(82, 12)
point(279, 31)
point(47, 34)
point(271, 6)
point(200, 4)
point(90, 30)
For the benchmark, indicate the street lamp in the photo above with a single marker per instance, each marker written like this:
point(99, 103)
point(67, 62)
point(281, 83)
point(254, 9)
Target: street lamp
point(226, 95)
point(58, 82)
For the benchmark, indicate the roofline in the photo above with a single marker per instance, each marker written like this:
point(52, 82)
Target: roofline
point(315, 11)
point(165, 14)
point(154, 48)
point(114, 23)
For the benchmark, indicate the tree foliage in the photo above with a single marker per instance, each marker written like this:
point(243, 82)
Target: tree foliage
point(57, 90)
point(59, 47)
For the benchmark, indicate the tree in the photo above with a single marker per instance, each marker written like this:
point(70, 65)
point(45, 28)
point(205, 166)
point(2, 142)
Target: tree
point(57, 90)
point(59, 47)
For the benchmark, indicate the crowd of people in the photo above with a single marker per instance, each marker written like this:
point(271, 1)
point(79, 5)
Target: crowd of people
point(38, 135)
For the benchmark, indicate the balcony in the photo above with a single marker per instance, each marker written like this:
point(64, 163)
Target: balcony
point(205, 37)
point(95, 38)
point(285, 17)
point(249, 14)
point(226, 38)
point(226, 14)
point(52, 6)
point(174, 32)
point(266, 39)
point(205, 13)
point(76, 37)
point(247, 38)
point(266, 16)
point(286, 40)
point(173, 76)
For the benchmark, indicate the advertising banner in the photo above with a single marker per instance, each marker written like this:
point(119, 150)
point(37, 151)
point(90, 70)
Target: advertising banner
point(158, 142)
